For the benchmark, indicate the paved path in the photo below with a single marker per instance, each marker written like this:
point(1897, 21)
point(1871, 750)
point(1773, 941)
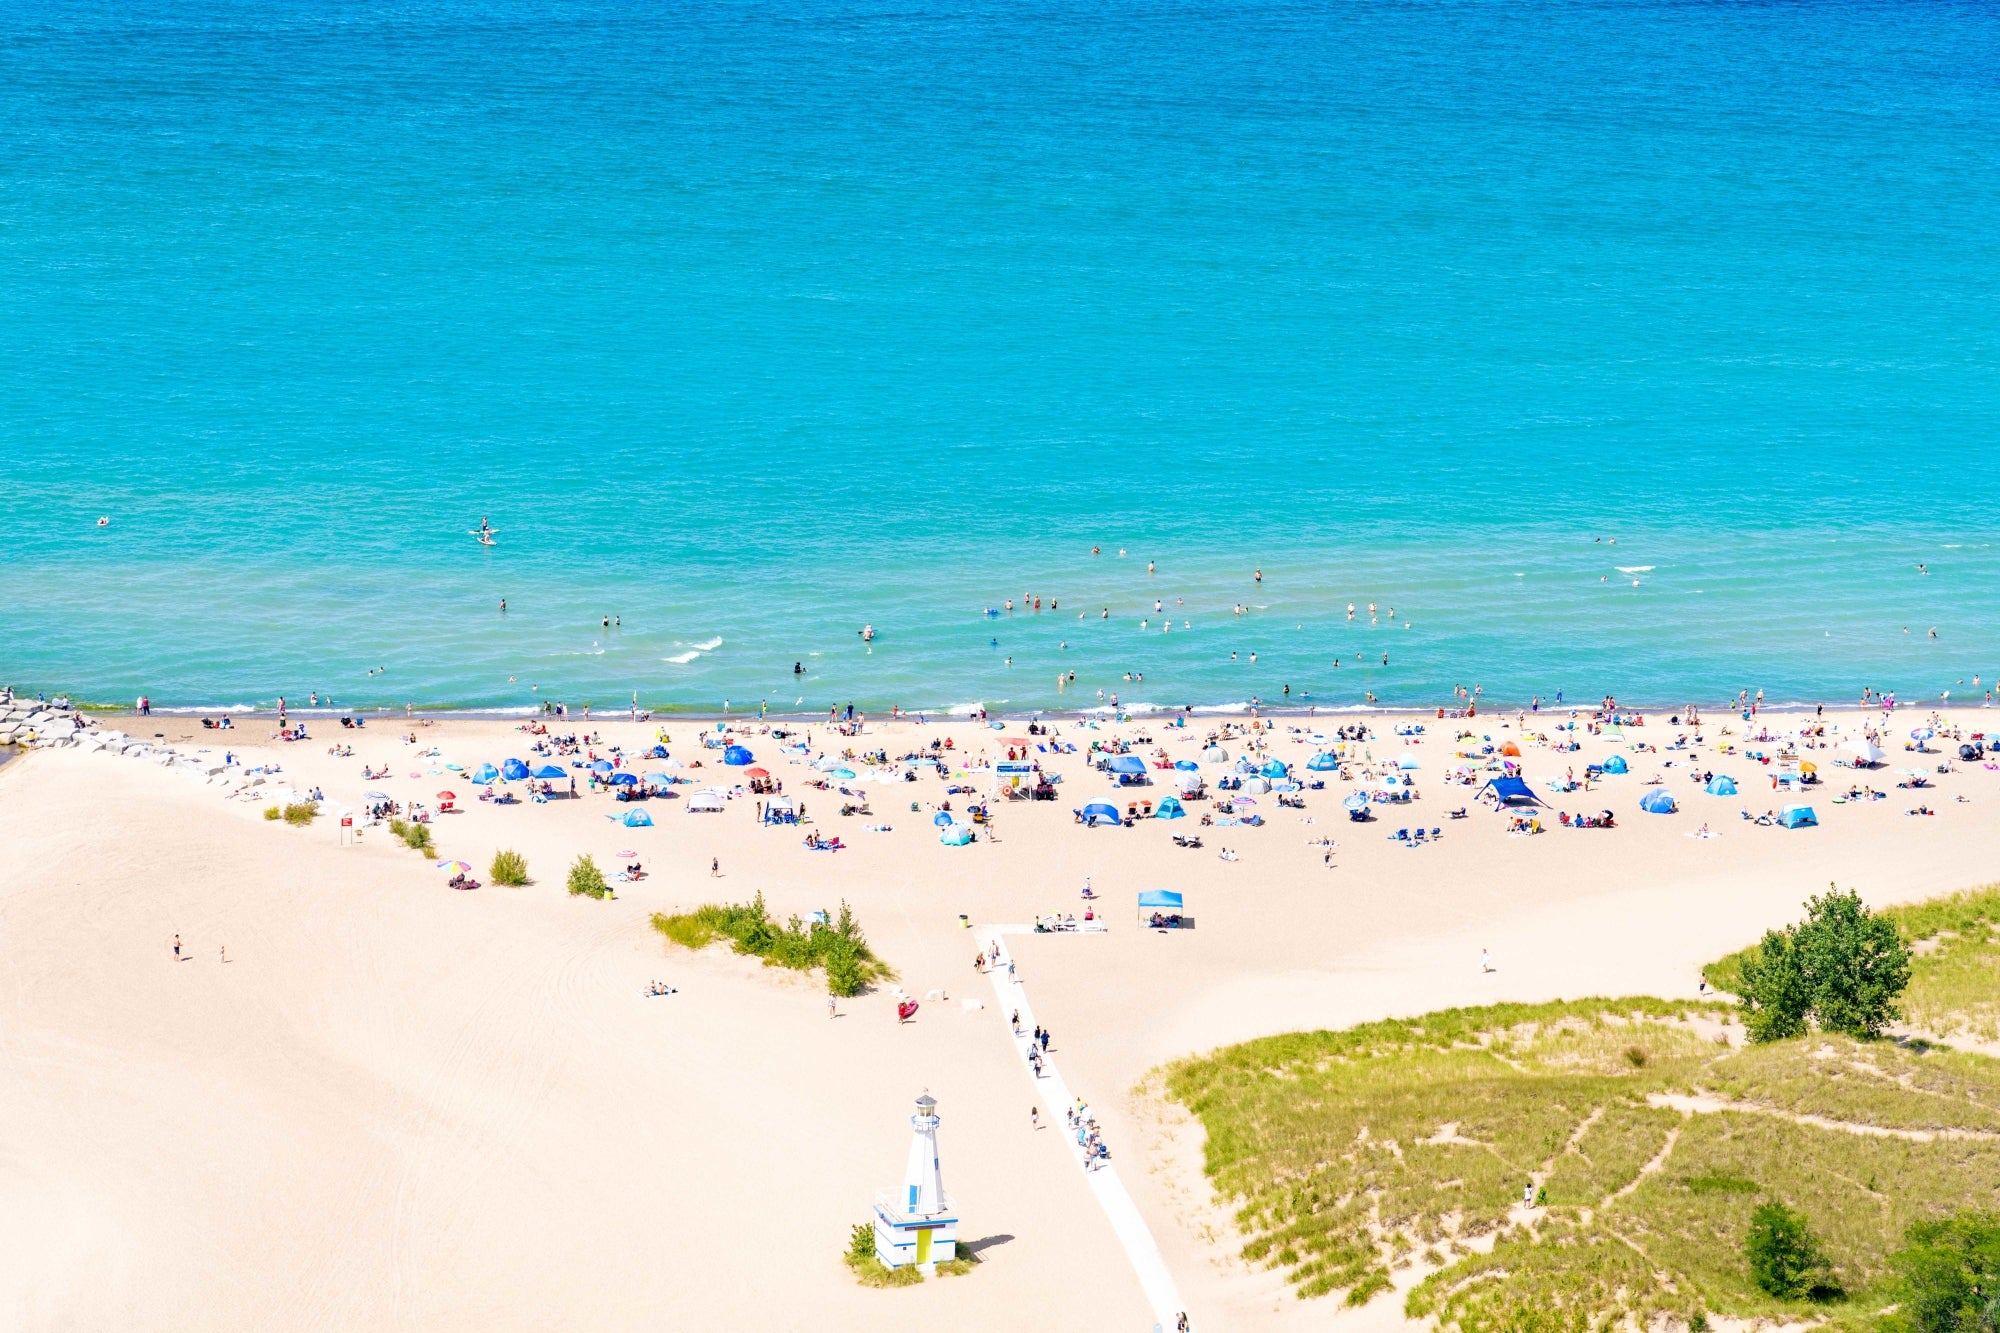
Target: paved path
point(1056, 1098)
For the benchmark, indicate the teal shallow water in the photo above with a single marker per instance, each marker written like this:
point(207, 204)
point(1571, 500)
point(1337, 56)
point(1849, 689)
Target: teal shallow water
point(755, 325)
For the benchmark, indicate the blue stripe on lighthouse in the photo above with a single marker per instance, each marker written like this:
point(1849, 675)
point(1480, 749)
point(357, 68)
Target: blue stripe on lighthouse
point(913, 1196)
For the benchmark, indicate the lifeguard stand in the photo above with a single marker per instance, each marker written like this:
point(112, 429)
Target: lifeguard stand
point(918, 1224)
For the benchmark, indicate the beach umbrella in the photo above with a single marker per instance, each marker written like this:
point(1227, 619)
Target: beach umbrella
point(550, 771)
point(758, 773)
point(375, 796)
point(513, 770)
point(1127, 763)
point(658, 780)
point(1323, 763)
point(736, 756)
point(1188, 781)
point(1356, 801)
point(1242, 800)
point(1256, 785)
point(624, 779)
point(942, 818)
point(447, 796)
point(1186, 765)
point(1865, 750)
point(485, 775)
point(602, 765)
point(1922, 734)
point(637, 819)
point(454, 867)
point(1408, 763)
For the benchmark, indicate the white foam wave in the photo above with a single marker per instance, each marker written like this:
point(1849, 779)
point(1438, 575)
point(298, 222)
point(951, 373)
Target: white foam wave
point(1635, 569)
point(708, 645)
point(682, 659)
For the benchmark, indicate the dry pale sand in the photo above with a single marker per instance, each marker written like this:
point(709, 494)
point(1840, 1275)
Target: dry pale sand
point(399, 1106)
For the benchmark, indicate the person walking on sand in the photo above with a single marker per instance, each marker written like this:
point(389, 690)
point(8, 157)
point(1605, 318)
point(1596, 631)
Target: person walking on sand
point(223, 953)
point(1485, 961)
point(1034, 1117)
point(831, 1012)
point(177, 948)
point(715, 867)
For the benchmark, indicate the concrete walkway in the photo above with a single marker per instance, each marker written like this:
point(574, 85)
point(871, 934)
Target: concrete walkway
point(1057, 1098)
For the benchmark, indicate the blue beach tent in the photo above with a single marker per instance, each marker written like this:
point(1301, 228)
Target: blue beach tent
point(1165, 900)
point(1615, 764)
point(624, 779)
point(1169, 808)
point(637, 819)
point(513, 770)
point(736, 756)
point(1722, 785)
point(484, 774)
point(956, 835)
point(1187, 765)
point(1127, 763)
point(1798, 816)
point(1511, 791)
point(1099, 812)
point(549, 772)
point(943, 819)
point(1274, 769)
point(1657, 801)
point(1322, 763)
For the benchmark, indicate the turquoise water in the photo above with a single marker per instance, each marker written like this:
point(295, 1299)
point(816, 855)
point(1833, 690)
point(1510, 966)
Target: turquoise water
point(754, 324)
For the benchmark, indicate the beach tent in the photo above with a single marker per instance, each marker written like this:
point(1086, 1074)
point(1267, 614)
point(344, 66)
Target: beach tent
point(1254, 786)
point(1275, 769)
point(637, 819)
point(1798, 816)
point(1127, 763)
point(1865, 751)
point(658, 780)
point(549, 772)
point(1188, 782)
point(736, 756)
point(826, 761)
point(1169, 808)
point(1160, 900)
point(956, 835)
point(513, 770)
point(1510, 749)
point(1615, 764)
point(1722, 785)
point(777, 808)
point(1186, 765)
point(1215, 754)
point(1657, 801)
point(1099, 812)
point(1511, 791)
point(1322, 763)
point(708, 799)
point(485, 774)
point(1408, 763)
point(943, 819)
point(844, 774)
point(627, 779)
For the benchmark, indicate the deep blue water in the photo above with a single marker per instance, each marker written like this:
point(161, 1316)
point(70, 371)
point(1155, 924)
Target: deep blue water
point(758, 323)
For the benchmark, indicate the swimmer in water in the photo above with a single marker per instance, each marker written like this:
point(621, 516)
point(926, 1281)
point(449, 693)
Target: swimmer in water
point(104, 522)
point(1258, 576)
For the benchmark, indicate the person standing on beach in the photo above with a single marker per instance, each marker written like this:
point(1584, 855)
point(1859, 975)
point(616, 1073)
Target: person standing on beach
point(715, 867)
point(177, 948)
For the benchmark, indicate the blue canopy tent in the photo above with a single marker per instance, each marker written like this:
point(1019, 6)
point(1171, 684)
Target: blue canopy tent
point(513, 770)
point(636, 819)
point(1657, 801)
point(1721, 785)
point(1169, 808)
point(1166, 903)
point(736, 756)
point(550, 772)
point(1100, 812)
point(1322, 763)
point(1511, 791)
point(484, 774)
point(1126, 763)
point(1615, 764)
point(1798, 816)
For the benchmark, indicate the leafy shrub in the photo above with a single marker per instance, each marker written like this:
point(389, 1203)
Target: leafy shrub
point(416, 836)
point(1785, 1259)
point(840, 947)
point(586, 878)
point(1842, 967)
point(272, 812)
point(1950, 1275)
point(509, 868)
point(300, 813)
point(861, 1242)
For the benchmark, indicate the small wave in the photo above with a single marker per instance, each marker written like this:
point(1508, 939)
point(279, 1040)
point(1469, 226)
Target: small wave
point(682, 659)
point(708, 645)
point(1243, 707)
point(1635, 569)
point(214, 708)
point(968, 710)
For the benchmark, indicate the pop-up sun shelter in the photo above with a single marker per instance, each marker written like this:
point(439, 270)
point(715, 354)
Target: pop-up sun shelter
point(1798, 816)
point(1511, 791)
point(550, 772)
point(1169, 808)
point(1657, 801)
point(1127, 763)
point(484, 774)
point(1615, 764)
point(1722, 785)
point(637, 819)
point(1099, 812)
point(736, 756)
point(1164, 901)
point(513, 770)
point(1322, 763)
point(1865, 751)
point(708, 800)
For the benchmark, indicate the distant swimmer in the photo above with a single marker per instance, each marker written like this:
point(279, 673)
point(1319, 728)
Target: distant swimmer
point(798, 668)
point(1921, 568)
point(867, 634)
point(1258, 576)
point(104, 522)
point(1096, 551)
point(1149, 566)
point(503, 603)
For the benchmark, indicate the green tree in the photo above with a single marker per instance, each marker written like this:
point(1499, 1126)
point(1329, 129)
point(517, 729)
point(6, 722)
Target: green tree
point(1842, 967)
point(1784, 1257)
point(1950, 1271)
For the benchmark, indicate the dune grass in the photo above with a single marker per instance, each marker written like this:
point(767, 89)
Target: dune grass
point(509, 868)
point(300, 813)
point(1352, 1154)
point(839, 948)
point(1954, 989)
point(414, 835)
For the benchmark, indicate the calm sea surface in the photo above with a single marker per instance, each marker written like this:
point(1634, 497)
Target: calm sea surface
point(752, 325)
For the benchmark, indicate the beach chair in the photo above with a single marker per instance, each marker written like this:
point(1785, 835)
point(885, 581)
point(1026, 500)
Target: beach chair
point(1401, 835)
point(1436, 833)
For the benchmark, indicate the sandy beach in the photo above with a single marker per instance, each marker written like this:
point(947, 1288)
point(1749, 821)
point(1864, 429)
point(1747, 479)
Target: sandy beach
point(395, 1105)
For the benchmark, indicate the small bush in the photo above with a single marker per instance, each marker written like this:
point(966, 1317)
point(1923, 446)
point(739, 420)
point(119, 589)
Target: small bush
point(1635, 1056)
point(509, 868)
point(839, 948)
point(300, 813)
point(272, 812)
point(861, 1242)
point(586, 878)
point(962, 1261)
point(1785, 1259)
point(416, 836)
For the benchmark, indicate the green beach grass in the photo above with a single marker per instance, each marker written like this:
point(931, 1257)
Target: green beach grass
point(839, 948)
point(1651, 1142)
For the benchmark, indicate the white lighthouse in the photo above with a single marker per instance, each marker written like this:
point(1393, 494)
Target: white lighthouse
point(918, 1224)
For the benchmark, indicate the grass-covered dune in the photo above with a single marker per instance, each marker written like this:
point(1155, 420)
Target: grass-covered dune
point(1647, 1133)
